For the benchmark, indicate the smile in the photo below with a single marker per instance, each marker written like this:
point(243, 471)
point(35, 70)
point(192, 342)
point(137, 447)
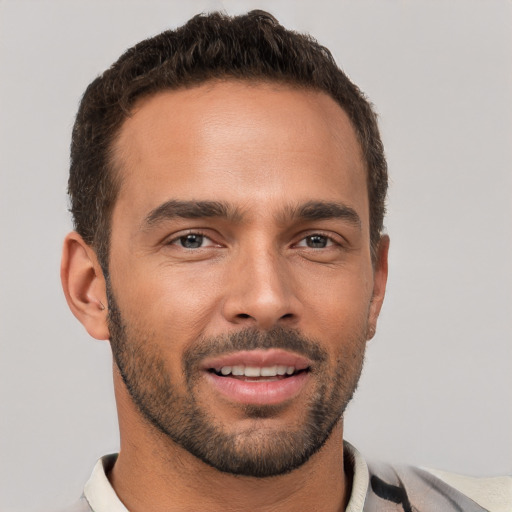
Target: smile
point(275, 372)
point(258, 377)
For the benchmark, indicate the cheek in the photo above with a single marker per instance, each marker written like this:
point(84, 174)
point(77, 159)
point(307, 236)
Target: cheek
point(337, 303)
point(175, 303)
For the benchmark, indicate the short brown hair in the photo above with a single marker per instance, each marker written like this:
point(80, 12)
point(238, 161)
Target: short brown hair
point(250, 47)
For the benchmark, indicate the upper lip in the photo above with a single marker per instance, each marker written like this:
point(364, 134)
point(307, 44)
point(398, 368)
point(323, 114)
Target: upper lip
point(258, 358)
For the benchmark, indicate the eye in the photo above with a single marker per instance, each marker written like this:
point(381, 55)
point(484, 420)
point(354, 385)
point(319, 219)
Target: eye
point(193, 241)
point(315, 241)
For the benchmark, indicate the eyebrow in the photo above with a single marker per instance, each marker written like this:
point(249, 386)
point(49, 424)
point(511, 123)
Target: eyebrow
point(310, 211)
point(190, 210)
point(325, 210)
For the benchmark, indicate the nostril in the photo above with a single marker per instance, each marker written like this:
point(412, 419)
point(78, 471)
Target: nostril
point(244, 315)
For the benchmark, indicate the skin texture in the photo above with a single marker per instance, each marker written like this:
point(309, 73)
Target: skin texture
point(264, 151)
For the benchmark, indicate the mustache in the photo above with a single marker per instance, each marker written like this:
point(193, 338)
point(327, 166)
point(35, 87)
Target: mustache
point(253, 339)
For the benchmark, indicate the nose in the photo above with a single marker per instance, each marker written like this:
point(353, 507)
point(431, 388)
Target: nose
point(262, 291)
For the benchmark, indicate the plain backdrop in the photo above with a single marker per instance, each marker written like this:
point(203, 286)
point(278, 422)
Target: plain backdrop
point(437, 386)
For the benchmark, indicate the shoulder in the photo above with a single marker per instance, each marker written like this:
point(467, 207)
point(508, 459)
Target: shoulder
point(426, 489)
point(494, 494)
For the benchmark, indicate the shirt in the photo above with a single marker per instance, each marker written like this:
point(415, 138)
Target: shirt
point(375, 488)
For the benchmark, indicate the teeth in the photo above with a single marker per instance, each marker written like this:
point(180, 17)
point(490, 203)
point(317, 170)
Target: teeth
point(269, 371)
point(281, 370)
point(252, 371)
point(256, 371)
point(238, 370)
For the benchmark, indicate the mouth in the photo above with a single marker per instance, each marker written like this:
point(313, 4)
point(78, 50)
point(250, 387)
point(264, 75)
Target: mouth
point(258, 376)
point(256, 373)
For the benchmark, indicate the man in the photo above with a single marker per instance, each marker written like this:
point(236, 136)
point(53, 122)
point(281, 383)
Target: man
point(228, 184)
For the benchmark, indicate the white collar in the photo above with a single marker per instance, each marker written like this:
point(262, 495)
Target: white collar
point(99, 492)
point(361, 478)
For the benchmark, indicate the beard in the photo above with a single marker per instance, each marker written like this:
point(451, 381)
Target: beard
point(254, 451)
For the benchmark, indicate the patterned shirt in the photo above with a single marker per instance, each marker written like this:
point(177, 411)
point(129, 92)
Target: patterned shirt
point(375, 488)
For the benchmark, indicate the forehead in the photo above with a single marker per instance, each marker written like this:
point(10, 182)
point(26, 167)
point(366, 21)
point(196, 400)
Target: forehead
point(234, 140)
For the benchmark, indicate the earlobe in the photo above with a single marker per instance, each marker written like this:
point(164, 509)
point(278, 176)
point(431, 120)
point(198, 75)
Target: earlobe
point(84, 285)
point(380, 278)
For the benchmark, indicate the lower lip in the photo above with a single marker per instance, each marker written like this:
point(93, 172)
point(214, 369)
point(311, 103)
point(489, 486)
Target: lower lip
point(261, 393)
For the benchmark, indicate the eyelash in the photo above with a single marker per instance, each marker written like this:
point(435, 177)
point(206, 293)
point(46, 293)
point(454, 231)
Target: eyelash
point(330, 240)
point(176, 240)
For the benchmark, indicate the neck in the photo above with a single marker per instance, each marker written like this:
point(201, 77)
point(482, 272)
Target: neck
point(153, 473)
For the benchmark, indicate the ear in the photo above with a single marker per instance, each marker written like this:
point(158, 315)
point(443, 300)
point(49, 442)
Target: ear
point(380, 278)
point(84, 285)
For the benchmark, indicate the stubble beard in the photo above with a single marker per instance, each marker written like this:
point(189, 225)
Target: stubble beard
point(254, 451)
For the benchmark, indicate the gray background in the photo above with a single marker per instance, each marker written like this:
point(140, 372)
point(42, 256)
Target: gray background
point(437, 387)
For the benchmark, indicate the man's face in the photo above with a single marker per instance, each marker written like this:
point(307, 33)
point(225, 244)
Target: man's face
point(241, 282)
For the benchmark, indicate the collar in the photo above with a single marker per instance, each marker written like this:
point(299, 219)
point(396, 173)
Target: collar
point(98, 491)
point(102, 498)
point(361, 478)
